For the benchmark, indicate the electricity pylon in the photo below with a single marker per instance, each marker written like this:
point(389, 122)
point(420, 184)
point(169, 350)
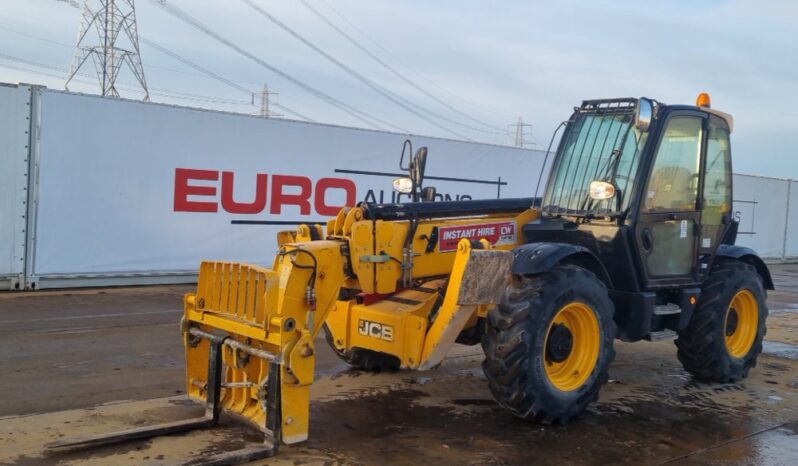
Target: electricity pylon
point(520, 132)
point(109, 36)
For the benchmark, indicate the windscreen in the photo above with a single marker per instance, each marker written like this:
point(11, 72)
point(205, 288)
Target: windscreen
point(599, 144)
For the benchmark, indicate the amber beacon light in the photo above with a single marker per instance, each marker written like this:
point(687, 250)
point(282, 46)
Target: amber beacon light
point(703, 100)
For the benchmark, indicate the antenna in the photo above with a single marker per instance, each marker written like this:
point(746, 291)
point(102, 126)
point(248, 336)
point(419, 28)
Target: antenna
point(109, 36)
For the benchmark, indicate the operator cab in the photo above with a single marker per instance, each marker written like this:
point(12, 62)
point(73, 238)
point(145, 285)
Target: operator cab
point(647, 189)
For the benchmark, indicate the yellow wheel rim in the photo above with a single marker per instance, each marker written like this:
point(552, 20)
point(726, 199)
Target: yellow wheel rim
point(569, 366)
point(741, 323)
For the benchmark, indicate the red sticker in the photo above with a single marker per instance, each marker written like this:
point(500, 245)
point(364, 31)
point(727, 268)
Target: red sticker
point(496, 233)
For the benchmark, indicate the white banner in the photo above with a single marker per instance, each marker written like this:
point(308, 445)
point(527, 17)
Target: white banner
point(133, 187)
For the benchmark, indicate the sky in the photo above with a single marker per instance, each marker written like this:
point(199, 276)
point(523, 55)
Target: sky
point(481, 65)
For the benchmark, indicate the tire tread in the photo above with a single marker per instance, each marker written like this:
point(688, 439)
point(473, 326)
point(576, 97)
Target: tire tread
point(509, 341)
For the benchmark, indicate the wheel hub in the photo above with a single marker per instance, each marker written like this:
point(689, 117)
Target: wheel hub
point(560, 343)
point(742, 324)
point(732, 320)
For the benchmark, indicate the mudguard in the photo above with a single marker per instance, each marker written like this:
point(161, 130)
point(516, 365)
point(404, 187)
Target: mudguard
point(535, 258)
point(749, 256)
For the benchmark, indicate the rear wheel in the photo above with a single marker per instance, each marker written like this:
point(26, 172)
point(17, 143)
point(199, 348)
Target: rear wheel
point(549, 345)
point(724, 338)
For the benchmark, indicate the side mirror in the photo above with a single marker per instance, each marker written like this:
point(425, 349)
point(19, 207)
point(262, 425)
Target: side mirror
point(644, 114)
point(428, 194)
point(418, 167)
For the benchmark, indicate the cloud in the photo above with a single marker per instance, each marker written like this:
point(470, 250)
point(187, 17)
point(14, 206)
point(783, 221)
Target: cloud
point(494, 60)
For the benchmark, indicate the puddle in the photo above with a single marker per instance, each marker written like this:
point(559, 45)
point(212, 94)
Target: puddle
point(416, 427)
point(778, 446)
point(781, 350)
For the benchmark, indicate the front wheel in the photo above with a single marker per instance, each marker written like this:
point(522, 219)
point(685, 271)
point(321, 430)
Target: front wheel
point(549, 344)
point(724, 337)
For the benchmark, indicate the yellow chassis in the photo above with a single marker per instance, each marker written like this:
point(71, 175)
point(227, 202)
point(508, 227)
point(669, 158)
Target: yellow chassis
point(362, 280)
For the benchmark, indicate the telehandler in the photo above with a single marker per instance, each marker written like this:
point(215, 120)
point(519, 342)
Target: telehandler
point(633, 239)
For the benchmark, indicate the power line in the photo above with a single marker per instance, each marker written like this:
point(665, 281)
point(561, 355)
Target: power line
point(75, 4)
point(127, 86)
point(394, 57)
point(36, 64)
point(174, 55)
point(72, 46)
point(354, 112)
point(204, 72)
point(398, 73)
point(28, 70)
point(25, 34)
point(368, 82)
point(195, 66)
point(217, 77)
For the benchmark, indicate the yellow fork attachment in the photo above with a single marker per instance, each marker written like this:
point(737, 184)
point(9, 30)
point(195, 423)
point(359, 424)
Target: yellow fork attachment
point(248, 335)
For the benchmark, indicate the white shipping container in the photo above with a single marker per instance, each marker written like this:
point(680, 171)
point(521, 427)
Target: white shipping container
point(15, 113)
point(760, 205)
point(111, 191)
point(791, 237)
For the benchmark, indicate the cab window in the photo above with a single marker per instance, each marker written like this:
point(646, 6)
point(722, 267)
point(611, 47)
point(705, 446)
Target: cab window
point(717, 182)
point(673, 184)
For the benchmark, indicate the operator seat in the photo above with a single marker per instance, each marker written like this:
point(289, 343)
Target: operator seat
point(671, 188)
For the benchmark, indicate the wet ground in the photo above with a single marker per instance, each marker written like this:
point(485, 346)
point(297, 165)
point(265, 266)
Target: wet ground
point(79, 362)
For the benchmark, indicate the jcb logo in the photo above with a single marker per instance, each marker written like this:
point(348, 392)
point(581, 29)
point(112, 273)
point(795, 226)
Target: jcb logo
point(375, 330)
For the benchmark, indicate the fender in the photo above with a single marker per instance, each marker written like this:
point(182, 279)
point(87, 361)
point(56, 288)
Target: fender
point(535, 258)
point(749, 256)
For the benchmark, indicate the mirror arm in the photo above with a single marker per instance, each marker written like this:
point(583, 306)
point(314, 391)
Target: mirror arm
point(402, 157)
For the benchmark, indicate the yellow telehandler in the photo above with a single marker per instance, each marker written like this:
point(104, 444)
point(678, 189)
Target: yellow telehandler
point(633, 239)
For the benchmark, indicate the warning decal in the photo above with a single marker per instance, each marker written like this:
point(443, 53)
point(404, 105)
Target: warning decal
point(496, 233)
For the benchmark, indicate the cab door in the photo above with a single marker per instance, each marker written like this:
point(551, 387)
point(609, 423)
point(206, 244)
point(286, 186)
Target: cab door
point(667, 229)
point(716, 203)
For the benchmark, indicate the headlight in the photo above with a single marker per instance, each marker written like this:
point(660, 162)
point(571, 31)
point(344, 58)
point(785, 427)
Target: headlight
point(601, 190)
point(403, 185)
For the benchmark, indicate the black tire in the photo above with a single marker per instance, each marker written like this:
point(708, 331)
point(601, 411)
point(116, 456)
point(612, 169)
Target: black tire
point(702, 347)
point(363, 359)
point(515, 342)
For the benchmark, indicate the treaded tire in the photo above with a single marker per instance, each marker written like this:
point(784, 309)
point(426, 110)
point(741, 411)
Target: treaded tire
point(514, 344)
point(363, 359)
point(702, 346)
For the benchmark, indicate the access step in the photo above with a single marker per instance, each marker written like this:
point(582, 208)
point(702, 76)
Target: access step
point(662, 335)
point(667, 309)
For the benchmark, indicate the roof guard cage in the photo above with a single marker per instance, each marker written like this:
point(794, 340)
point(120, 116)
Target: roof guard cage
point(608, 105)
